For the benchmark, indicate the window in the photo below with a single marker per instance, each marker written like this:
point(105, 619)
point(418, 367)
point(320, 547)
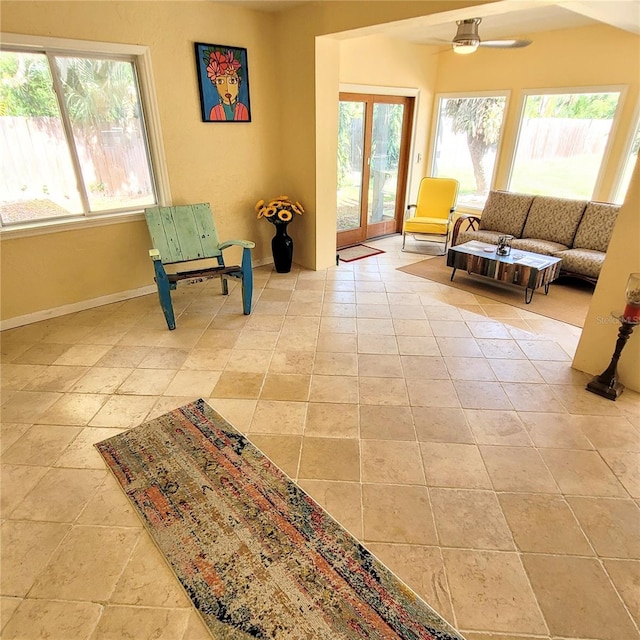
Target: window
point(629, 165)
point(562, 142)
point(74, 138)
point(468, 133)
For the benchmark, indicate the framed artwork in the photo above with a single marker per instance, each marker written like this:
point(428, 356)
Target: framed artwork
point(223, 79)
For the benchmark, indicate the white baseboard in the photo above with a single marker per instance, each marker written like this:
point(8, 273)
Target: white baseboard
point(83, 305)
point(47, 314)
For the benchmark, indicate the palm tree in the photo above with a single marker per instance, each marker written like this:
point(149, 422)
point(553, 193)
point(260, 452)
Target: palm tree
point(480, 119)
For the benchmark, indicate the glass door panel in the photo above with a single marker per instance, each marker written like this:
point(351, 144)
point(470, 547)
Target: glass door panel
point(350, 164)
point(383, 174)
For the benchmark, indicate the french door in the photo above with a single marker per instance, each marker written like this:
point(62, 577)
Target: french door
point(373, 151)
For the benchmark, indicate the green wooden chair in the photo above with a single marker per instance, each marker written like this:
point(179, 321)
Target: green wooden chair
point(185, 234)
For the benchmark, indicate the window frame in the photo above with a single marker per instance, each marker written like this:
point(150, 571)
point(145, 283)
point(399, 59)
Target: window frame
point(538, 91)
point(494, 93)
point(626, 156)
point(141, 59)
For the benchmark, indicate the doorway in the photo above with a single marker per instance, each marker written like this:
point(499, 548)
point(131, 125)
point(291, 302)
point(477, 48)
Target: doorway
point(373, 157)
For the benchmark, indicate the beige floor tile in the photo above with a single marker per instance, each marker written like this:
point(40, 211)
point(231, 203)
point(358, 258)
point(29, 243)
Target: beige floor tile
point(515, 370)
point(335, 364)
point(142, 622)
point(582, 473)
point(339, 309)
point(124, 356)
point(488, 329)
point(193, 384)
point(47, 503)
point(330, 459)
point(42, 353)
point(26, 549)
point(14, 377)
point(283, 451)
point(450, 329)
point(470, 519)
point(412, 327)
point(379, 422)
point(500, 349)
point(35, 619)
point(28, 406)
point(626, 467)
point(73, 409)
point(490, 591)
point(251, 340)
point(334, 389)
point(294, 339)
point(17, 481)
point(208, 359)
point(397, 514)
point(555, 430)
point(471, 635)
point(373, 311)
point(418, 346)
point(383, 391)
point(525, 396)
point(264, 322)
point(518, 469)
point(458, 347)
point(468, 368)
point(543, 524)
point(543, 350)
point(85, 552)
point(425, 368)
point(82, 355)
point(578, 400)
point(475, 394)
point(432, 393)
point(390, 462)
point(625, 575)
point(343, 500)
point(109, 506)
point(380, 344)
point(339, 342)
point(284, 386)
point(123, 412)
point(239, 412)
point(558, 580)
point(147, 581)
point(101, 380)
point(300, 362)
point(81, 453)
point(442, 424)
point(454, 465)
point(165, 358)
point(612, 525)
point(497, 427)
point(610, 432)
point(407, 312)
point(422, 569)
point(10, 433)
point(560, 373)
point(8, 606)
point(56, 378)
point(376, 365)
point(332, 420)
point(41, 445)
point(147, 382)
point(236, 384)
point(278, 417)
point(329, 324)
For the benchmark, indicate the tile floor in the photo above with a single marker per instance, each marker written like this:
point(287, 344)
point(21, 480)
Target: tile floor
point(449, 433)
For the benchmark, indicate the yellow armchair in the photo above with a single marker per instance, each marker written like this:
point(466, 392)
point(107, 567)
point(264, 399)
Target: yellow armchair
point(432, 214)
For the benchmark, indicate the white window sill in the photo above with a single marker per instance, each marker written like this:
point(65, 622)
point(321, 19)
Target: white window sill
point(57, 226)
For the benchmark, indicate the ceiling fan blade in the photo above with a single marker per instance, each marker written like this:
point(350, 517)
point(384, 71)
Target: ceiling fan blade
point(505, 44)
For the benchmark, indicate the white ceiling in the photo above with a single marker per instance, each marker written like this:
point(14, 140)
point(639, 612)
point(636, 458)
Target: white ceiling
point(505, 19)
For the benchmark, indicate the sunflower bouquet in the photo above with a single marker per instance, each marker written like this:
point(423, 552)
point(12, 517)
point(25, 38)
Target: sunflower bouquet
point(280, 210)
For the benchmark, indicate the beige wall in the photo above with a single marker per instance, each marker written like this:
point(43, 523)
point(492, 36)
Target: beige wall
point(600, 332)
point(231, 166)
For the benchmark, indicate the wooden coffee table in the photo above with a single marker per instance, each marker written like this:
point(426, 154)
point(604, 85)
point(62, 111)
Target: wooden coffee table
point(523, 268)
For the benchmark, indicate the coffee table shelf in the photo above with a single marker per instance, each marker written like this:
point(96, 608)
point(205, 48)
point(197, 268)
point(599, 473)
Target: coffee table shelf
point(522, 268)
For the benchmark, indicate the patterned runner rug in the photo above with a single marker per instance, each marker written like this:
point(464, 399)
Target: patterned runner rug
point(258, 557)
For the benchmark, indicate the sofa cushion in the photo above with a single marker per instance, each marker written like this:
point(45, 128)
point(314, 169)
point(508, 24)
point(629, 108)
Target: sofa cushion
point(490, 237)
point(544, 247)
point(596, 226)
point(505, 212)
point(554, 219)
point(582, 261)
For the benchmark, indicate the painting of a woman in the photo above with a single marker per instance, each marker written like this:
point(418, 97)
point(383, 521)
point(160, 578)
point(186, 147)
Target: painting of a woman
point(223, 80)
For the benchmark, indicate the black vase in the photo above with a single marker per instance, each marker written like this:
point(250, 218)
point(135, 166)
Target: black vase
point(282, 249)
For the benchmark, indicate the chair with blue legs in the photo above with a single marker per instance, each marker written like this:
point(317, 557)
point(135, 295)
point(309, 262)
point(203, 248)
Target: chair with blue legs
point(186, 234)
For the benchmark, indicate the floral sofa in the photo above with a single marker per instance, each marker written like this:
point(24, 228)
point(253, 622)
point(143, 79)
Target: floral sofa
point(575, 230)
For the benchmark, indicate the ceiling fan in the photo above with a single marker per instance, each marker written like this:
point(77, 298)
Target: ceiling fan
point(467, 39)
